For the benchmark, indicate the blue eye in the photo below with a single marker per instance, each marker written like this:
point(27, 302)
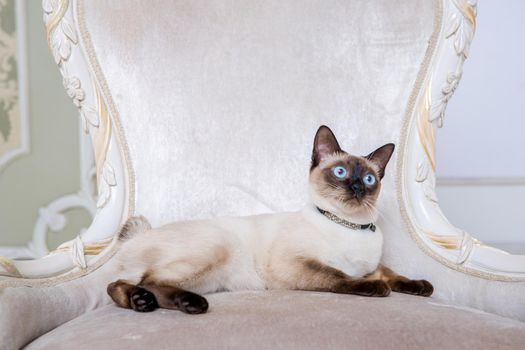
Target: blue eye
point(369, 179)
point(339, 172)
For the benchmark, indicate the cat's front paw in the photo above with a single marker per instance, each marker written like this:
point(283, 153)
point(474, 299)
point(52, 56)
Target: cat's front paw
point(416, 287)
point(142, 300)
point(191, 303)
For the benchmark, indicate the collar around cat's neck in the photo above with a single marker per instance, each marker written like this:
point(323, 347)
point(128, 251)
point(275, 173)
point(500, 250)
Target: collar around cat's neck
point(347, 223)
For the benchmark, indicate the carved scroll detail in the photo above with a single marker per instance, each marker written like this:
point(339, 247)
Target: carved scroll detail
point(460, 30)
point(63, 40)
point(94, 115)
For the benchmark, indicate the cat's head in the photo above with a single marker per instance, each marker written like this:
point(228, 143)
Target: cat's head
point(344, 184)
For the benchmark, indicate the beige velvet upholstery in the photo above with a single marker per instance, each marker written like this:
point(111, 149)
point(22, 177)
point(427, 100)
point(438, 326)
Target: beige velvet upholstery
point(292, 320)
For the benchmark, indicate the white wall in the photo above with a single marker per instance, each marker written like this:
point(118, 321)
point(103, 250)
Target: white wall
point(481, 149)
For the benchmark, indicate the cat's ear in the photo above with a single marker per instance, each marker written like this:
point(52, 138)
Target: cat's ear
point(381, 156)
point(325, 144)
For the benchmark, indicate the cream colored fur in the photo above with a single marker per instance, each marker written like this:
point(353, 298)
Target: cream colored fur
point(248, 253)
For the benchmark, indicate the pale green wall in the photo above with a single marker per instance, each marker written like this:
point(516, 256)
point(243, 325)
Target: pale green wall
point(51, 169)
point(8, 72)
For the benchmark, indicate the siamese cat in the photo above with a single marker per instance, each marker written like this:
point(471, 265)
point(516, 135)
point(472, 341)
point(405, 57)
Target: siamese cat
point(331, 245)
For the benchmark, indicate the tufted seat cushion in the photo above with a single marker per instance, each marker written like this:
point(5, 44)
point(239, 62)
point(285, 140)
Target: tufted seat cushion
point(285, 319)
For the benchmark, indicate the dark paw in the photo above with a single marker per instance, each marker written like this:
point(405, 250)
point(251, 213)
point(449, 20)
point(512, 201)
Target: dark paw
point(415, 287)
point(371, 289)
point(142, 300)
point(191, 303)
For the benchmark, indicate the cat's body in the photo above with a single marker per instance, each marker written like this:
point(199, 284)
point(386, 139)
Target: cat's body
point(253, 252)
point(330, 245)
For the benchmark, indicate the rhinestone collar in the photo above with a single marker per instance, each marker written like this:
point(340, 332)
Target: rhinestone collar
point(347, 223)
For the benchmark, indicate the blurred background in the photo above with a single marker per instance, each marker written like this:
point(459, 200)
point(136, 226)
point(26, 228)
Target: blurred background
point(39, 133)
point(480, 151)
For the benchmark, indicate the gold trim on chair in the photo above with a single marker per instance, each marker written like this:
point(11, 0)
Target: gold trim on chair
point(426, 129)
point(9, 268)
point(90, 248)
point(103, 136)
point(55, 18)
point(467, 10)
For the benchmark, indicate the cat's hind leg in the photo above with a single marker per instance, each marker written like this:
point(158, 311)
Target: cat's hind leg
point(171, 282)
point(402, 284)
point(152, 294)
point(170, 296)
point(127, 295)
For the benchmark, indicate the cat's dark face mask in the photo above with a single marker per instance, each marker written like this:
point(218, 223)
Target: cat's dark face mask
point(351, 179)
point(347, 181)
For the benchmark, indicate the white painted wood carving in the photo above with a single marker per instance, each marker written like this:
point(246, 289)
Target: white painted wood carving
point(77, 254)
point(428, 225)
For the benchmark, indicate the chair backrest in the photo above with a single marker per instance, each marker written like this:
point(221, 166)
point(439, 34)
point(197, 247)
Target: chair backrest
point(219, 100)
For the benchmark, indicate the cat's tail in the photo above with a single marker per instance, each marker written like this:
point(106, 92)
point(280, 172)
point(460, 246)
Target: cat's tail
point(133, 226)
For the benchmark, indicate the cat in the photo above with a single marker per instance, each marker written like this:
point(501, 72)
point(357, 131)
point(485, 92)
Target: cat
point(331, 245)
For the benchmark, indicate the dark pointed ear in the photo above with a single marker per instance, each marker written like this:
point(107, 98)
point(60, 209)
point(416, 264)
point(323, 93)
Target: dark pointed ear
point(381, 156)
point(325, 144)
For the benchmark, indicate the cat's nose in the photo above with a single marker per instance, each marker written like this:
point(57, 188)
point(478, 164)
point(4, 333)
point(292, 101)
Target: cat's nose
point(358, 189)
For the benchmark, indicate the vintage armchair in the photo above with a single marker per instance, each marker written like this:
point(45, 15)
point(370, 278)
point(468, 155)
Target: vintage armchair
point(206, 108)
